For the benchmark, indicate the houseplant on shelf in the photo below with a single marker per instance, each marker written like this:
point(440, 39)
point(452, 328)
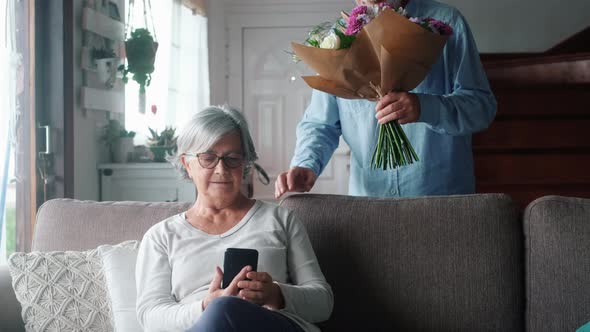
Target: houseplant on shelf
point(162, 144)
point(107, 63)
point(118, 141)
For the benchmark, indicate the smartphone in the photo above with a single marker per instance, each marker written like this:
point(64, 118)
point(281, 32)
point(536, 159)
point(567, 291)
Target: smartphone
point(234, 260)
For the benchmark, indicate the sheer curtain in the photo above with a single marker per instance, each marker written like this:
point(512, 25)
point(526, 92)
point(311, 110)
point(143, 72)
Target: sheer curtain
point(180, 82)
point(9, 62)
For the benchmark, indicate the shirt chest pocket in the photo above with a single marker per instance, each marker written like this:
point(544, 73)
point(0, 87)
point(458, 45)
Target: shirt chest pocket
point(355, 108)
point(273, 261)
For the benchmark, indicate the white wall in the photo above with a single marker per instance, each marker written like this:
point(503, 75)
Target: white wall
point(217, 52)
point(498, 26)
point(523, 25)
point(87, 127)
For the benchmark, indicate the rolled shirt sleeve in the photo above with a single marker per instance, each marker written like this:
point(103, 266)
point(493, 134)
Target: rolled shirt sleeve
point(318, 133)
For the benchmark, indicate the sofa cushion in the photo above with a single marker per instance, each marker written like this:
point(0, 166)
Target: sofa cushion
point(67, 224)
point(62, 290)
point(451, 263)
point(557, 241)
point(119, 271)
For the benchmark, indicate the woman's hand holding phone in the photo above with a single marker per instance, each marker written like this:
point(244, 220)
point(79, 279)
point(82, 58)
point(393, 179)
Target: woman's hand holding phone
point(215, 289)
point(261, 289)
point(242, 280)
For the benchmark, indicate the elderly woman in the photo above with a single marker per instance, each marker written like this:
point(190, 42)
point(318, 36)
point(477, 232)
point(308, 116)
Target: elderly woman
point(178, 275)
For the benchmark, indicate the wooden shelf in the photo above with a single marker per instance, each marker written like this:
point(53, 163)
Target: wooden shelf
point(106, 100)
point(102, 25)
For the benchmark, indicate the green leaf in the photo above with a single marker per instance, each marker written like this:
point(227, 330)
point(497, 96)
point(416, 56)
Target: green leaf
point(345, 40)
point(312, 42)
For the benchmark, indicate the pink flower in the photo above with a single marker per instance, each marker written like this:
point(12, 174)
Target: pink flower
point(442, 28)
point(433, 25)
point(154, 109)
point(356, 20)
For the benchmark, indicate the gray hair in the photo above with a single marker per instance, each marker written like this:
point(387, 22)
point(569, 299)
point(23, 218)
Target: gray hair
point(206, 128)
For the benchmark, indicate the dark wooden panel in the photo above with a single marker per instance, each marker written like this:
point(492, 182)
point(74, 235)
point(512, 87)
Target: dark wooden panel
point(579, 42)
point(549, 70)
point(539, 143)
point(532, 168)
point(570, 100)
point(534, 134)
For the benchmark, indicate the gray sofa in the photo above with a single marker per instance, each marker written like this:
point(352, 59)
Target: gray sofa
point(453, 263)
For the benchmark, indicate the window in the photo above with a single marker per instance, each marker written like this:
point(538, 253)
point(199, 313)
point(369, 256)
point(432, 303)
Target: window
point(180, 82)
point(13, 125)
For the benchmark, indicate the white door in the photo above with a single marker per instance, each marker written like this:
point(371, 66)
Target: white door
point(274, 100)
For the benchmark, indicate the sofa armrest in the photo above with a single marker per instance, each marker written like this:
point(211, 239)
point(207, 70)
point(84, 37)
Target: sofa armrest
point(10, 309)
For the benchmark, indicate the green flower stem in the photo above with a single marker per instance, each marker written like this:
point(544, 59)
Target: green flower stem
point(405, 147)
point(393, 148)
point(393, 157)
point(404, 151)
point(377, 152)
point(399, 143)
point(390, 151)
point(397, 148)
point(378, 159)
point(412, 151)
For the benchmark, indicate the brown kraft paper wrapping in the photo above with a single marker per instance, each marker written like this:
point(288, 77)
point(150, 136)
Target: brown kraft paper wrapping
point(391, 53)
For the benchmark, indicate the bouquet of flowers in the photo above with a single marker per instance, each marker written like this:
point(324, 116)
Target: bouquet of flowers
point(375, 49)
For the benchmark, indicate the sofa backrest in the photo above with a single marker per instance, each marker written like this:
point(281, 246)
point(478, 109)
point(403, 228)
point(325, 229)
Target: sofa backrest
point(430, 264)
point(451, 263)
point(67, 224)
point(557, 244)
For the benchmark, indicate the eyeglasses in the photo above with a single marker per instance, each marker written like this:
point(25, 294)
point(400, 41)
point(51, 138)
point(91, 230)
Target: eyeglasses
point(210, 160)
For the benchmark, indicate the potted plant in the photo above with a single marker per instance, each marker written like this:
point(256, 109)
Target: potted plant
point(140, 49)
point(107, 64)
point(124, 150)
point(162, 144)
point(118, 141)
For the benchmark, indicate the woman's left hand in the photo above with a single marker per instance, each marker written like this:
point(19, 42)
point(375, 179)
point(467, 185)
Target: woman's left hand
point(261, 289)
point(401, 106)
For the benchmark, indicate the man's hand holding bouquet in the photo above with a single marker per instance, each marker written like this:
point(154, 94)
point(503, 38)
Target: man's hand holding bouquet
point(375, 50)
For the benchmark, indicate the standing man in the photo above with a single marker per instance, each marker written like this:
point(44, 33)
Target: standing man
point(439, 116)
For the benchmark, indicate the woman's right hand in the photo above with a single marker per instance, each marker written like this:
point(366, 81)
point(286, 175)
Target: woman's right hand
point(215, 289)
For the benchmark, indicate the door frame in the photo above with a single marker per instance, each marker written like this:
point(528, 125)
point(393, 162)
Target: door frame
point(244, 14)
point(25, 150)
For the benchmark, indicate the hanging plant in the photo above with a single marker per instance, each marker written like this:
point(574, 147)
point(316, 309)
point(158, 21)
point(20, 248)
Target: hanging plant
point(141, 45)
point(141, 49)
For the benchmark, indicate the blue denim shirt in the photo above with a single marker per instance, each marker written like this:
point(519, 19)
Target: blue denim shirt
point(455, 101)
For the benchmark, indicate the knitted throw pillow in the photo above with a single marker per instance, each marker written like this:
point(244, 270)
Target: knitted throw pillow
point(62, 290)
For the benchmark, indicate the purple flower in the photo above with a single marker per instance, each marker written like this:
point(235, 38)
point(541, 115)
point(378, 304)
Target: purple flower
point(433, 25)
point(442, 28)
point(356, 20)
point(358, 10)
point(439, 27)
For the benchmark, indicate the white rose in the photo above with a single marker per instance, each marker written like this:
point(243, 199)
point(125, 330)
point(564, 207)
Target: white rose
point(332, 41)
